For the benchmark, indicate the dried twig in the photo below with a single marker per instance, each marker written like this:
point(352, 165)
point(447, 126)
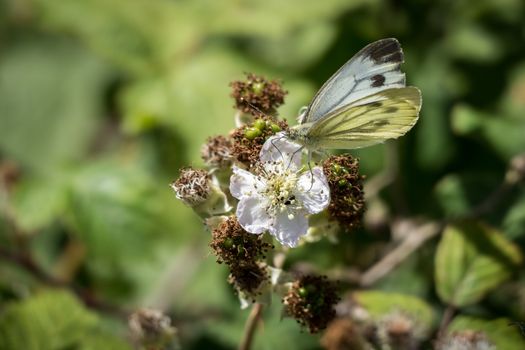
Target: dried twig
point(416, 238)
point(390, 261)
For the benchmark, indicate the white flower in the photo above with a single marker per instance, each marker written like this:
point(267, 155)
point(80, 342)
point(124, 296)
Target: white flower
point(279, 199)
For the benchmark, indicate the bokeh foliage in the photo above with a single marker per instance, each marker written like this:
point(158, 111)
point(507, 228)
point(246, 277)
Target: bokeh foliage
point(101, 102)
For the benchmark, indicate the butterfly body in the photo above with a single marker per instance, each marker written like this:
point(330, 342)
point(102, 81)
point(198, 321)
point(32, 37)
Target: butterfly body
point(364, 103)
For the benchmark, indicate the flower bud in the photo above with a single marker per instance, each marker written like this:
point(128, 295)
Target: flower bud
point(216, 152)
point(247, 140)
point(399, 331)
point(342, 334)
point(311, 300)
point(347, 203)
point(465, 339)
point(257, 95)
point(196, 189)
point(152, 329)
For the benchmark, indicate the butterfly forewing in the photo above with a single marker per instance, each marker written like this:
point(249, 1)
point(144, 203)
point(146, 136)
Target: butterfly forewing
point(370, 120)
point(375, 68)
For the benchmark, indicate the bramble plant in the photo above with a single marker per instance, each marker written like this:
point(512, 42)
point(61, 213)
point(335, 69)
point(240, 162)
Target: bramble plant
point(260, 199)
point(415, 243)
point(256, 196)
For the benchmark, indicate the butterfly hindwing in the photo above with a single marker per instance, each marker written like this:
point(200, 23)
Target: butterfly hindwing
point(370, 120)
point(375, 68)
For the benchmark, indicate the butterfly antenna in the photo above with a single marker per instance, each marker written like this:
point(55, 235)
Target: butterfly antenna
point(254, 107)
point(277, 148)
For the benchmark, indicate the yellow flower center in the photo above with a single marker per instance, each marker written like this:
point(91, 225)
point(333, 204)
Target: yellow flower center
point(280, 190)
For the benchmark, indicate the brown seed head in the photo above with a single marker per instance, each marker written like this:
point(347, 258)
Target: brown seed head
point(217, 152)
point(233, 245)
point(248, 140)
point(257, 95)
point(347, 203)
point(311, 301)
point(193, 186)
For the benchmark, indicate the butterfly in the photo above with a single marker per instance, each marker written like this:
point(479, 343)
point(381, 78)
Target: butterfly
point(364, 103)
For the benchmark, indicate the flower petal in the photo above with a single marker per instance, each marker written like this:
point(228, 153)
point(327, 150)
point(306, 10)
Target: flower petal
point(252, 215)
point(244, 184)
point(289, 229)
point(278, 149)
point(313, 191)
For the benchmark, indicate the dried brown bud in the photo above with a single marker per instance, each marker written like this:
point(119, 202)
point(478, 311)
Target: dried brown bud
point(152, 328)
point(257, 95)
point(311, 301)
point(399, 331)
point(249, 139)
point(234, 246)
point(465, 340)
point(216, 152)
point(248, 277)
point(193, 186)
point(347, 203)
point(343, 334)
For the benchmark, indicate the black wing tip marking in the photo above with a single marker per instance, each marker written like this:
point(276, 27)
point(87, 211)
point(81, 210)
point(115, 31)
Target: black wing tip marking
point(384, 51)
point(378, 80)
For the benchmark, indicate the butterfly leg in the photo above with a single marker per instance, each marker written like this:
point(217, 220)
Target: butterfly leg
point(293, 155)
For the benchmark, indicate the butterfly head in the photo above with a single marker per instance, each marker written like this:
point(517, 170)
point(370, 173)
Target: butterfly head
point(299, 134)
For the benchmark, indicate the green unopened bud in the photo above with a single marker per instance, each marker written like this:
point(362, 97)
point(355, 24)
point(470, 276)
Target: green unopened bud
point(275, 127)
point(252, 133)
point(259, 124)
point(342, 183)
point(228, 243)
point(258, 88)
point(302, 292)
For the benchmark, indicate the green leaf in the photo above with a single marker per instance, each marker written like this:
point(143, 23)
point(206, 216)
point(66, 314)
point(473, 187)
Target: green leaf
point(457, 194)
point(438, 83)
point(499, 331)
point(504, 134)
point(451, 195)
point(473, 43)
point(298, 49)
point(50, 101)
point(193, 99)
point(472, 259)
point(37, 202)
point(514, 220)
point(51, 320)
point(123, 215)
point(380, 304)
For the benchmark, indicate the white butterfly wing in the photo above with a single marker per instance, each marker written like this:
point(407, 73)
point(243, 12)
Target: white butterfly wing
point(373, 69)
point(385, 115)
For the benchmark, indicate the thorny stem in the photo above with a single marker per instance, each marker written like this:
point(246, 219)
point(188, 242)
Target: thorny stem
point(251, 326)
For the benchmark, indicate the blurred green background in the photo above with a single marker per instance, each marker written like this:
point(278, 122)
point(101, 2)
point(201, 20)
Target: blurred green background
point(102, 101)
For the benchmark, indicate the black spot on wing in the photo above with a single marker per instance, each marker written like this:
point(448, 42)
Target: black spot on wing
point(391, 109)
point(381, 122)
point(383, 51)
point(375, 104)
point(378, 80)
